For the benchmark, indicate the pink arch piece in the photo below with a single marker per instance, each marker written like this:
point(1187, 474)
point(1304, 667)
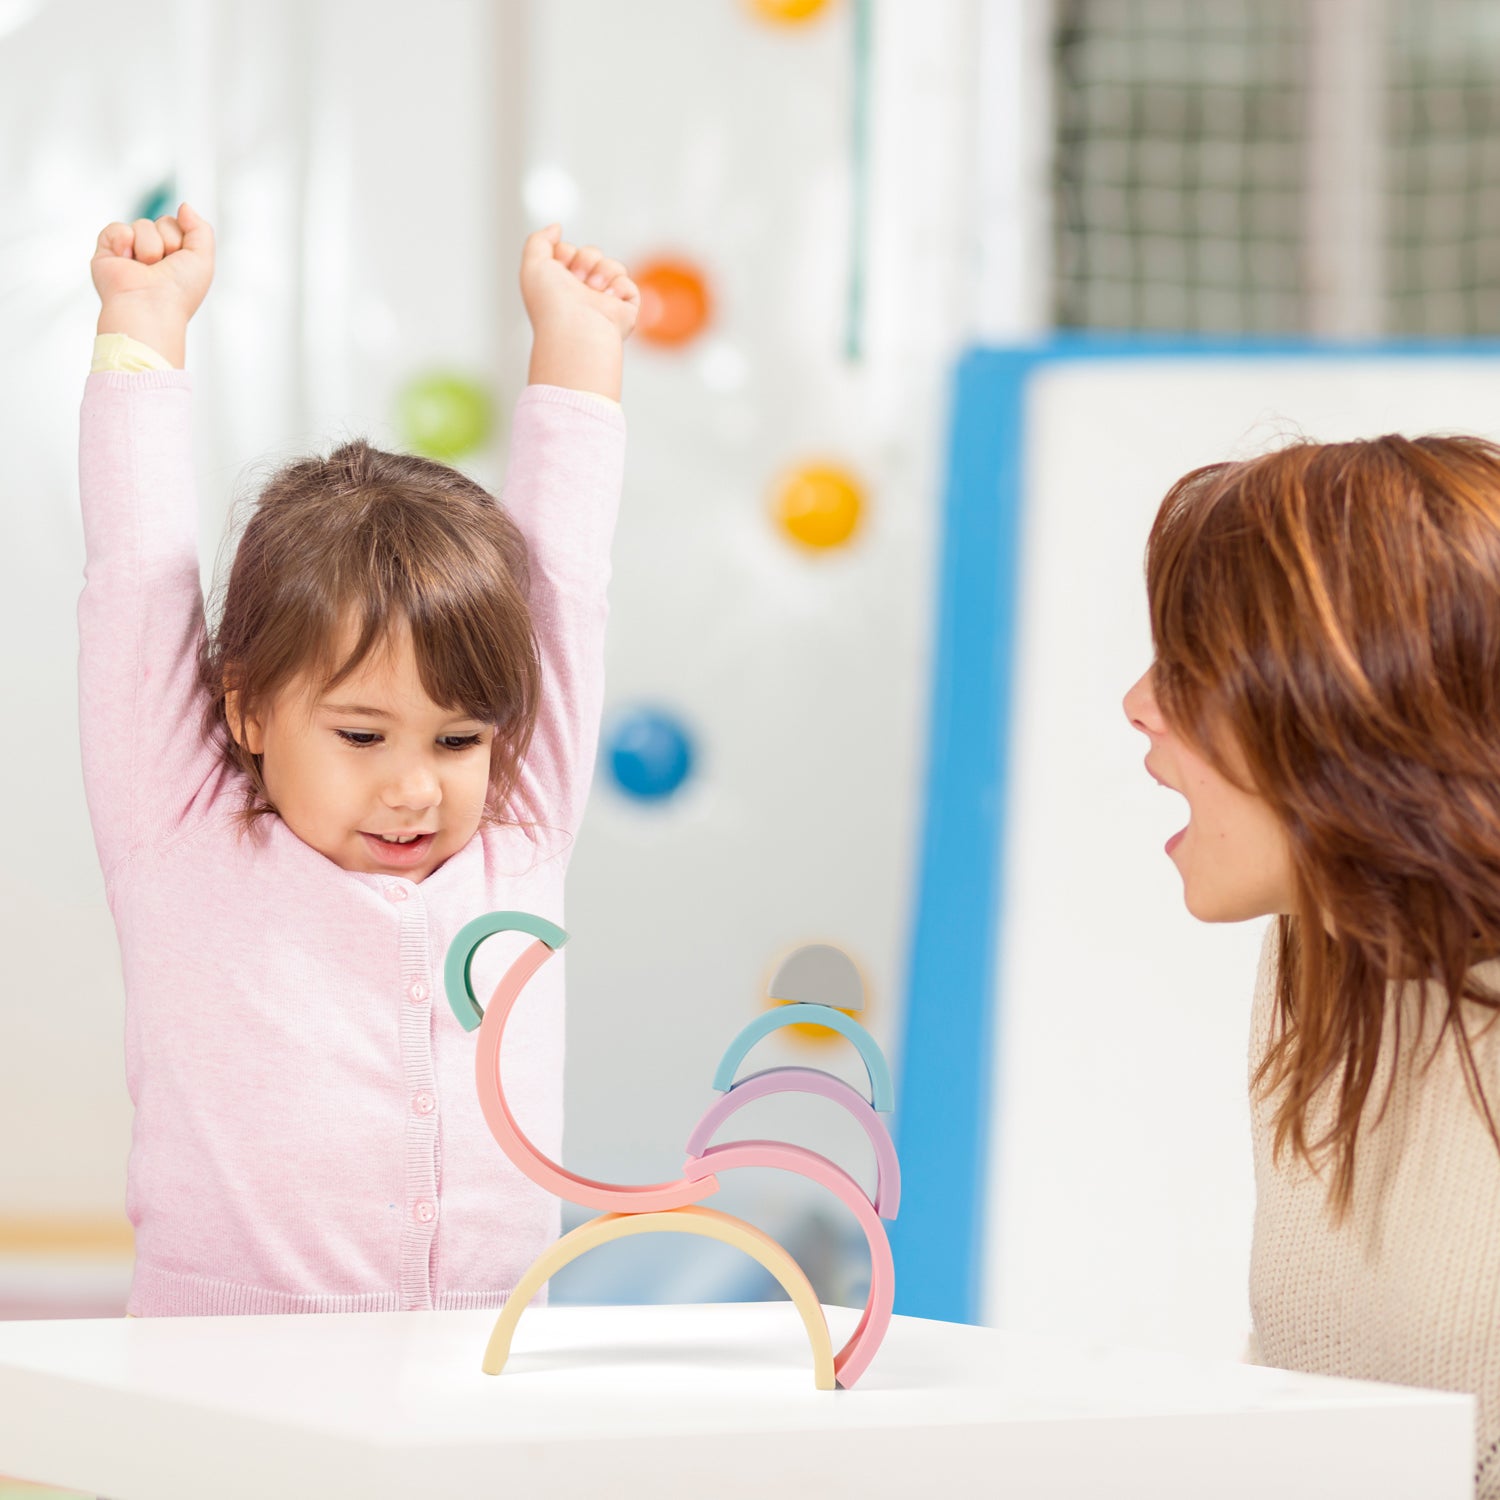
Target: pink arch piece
point(825, 1085)
point(513, 1141)
point(854, 1358)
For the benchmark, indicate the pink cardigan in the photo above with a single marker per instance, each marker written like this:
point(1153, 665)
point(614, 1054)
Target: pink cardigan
point(307, 1135)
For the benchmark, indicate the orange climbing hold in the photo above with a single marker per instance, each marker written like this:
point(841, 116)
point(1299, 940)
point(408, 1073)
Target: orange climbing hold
point(675, 302)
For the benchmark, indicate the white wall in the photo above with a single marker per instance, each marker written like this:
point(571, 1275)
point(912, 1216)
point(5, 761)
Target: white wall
point(802, 677)
point(334, 284)
point(366, 163)
point(1121, 1190)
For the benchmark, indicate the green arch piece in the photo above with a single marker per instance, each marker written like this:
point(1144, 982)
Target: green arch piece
point(461, 951)
point(882, 1096)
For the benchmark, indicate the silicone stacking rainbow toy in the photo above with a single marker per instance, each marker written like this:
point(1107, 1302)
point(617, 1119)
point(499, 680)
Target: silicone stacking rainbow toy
point(675, 1206)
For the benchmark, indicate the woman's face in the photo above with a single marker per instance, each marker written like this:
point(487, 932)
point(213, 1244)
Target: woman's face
point(1233, 856)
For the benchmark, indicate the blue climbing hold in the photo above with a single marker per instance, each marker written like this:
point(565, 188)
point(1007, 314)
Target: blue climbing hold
point(650, 754)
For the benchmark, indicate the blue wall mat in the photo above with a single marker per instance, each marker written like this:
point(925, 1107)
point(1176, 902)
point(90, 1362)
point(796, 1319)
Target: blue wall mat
point(942, 1101)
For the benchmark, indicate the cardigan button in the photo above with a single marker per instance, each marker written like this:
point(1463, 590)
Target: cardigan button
point(424, 1103)
point(424, 1212)
point(395, 893)
point(416, 991)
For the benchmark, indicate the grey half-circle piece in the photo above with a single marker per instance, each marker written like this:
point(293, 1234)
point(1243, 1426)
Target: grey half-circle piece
point(819, 974)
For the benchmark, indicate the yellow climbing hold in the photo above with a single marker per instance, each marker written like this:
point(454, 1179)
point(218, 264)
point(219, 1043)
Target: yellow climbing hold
point(788, 12)
point(819, 505)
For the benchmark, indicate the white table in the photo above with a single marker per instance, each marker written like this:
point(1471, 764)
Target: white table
point(699, 1401)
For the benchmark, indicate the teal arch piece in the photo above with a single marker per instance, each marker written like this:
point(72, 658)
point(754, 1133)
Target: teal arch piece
point(882, 1096)
point(465, 945)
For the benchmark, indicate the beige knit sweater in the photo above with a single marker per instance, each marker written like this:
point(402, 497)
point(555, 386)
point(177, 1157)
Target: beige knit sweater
point(1407, 1289)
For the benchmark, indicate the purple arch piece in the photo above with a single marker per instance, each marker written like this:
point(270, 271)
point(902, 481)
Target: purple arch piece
point(887, 1198)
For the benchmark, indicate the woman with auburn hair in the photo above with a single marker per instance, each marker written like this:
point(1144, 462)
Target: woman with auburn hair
point(1326, 695)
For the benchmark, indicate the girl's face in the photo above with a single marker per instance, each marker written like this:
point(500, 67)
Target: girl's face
point(1233, 856)
point(374, 756)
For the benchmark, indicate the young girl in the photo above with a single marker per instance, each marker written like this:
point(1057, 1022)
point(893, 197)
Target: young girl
point(391, 731)
point(1326, 695)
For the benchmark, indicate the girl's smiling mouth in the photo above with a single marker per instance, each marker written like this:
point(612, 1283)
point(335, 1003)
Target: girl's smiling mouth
point(398, 855)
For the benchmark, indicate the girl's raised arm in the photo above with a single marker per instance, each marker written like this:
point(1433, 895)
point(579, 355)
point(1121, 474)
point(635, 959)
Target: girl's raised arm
point(563, 489)
point(140, 615)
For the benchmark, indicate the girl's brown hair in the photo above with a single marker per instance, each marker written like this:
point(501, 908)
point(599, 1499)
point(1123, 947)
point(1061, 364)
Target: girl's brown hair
point(1326, 621)
point(354, 546)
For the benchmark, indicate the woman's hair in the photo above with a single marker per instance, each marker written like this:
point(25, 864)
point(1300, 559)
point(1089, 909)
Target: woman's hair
point(354, 547)
point(1326, 620)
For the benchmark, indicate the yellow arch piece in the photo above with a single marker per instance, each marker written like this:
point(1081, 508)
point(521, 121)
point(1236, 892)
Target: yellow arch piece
point(690, 1219)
